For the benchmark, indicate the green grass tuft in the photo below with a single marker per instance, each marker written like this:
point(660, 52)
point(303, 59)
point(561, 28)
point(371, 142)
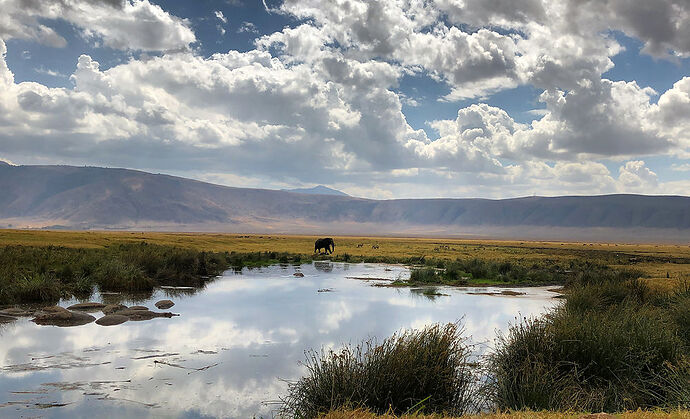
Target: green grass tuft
point(425, 371)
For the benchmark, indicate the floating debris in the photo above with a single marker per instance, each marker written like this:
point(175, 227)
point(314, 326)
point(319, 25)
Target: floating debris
point(186, 368)
point(156, 356)
point(107, 397)
point(77, 363)
point(35, 405)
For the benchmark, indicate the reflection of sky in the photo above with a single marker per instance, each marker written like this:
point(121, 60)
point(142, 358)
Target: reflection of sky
point(258, 324)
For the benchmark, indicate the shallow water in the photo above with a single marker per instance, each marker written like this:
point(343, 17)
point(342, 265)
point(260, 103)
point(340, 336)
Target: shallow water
point(233, 345)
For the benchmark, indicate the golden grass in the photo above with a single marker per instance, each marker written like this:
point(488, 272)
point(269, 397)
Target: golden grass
point(359, 414)
point(656, 260)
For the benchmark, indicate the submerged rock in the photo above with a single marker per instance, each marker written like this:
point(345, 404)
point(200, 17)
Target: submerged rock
point(113, 308)
point(298, 274)
point(15, 312)
point(59, 316)
point(164, 304)
point(87, 306)
point(112, 320)
point(56, 312)
point(137, 315)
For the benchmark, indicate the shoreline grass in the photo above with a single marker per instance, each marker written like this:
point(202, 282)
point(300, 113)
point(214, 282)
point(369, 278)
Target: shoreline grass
point(34, 274)
point(423, 370)
point(614, 345)
point(46, 274)
point(655, 260)
point(363, 414)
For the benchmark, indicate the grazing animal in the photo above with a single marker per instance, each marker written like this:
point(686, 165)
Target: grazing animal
point(360, 245)
point(375, 246)
point(326, 243)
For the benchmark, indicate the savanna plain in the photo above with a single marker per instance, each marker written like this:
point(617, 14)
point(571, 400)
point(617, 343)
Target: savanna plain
point(618, 341)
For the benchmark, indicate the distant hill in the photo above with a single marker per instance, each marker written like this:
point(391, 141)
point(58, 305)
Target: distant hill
point(318, 190)
point(100, 198)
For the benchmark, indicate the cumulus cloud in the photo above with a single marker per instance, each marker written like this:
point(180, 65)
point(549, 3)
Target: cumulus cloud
point(663, 25)
point(247, 107)
point(119, 24)
point(635, 176)
point(319, 101)
point(595, 120)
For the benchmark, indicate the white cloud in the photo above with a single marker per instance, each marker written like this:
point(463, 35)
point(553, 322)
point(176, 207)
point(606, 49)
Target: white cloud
point(49, 72)
point(663, 25)
point(248, 27)
point(635, 176)
point(128, 24)
point(220, 16)
point(320, 102)
point(685, 167)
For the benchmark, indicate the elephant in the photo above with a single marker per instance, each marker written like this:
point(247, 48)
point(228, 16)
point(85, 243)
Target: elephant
point(327, 244)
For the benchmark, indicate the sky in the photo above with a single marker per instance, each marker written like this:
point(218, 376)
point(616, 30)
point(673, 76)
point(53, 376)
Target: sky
point(379, 99)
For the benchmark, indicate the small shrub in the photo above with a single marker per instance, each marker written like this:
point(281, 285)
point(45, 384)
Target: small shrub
point(426, 370)
point(115, 275)
point(39, 287)
point(621, 357)
point(424, 276)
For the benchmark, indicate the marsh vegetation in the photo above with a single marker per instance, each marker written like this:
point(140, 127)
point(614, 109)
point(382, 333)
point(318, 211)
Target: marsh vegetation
point(617, 342)
point(613, 345)
point(46, 274)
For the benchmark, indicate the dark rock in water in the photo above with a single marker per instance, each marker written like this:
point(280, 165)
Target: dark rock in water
point(138, 308)
point(87, 306)
point(113, 308)
point(299, 274)
point(58, 316)
point(4, 318)
point(15, 312)
point(112, 320)
point(164, 304)
point(137, 315)
point(56, 312)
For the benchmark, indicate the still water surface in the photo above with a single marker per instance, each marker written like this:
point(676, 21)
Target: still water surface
point(233, 345)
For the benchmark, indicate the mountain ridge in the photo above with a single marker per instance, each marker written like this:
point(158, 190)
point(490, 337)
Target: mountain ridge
point(106, 198)
point(317, 190)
